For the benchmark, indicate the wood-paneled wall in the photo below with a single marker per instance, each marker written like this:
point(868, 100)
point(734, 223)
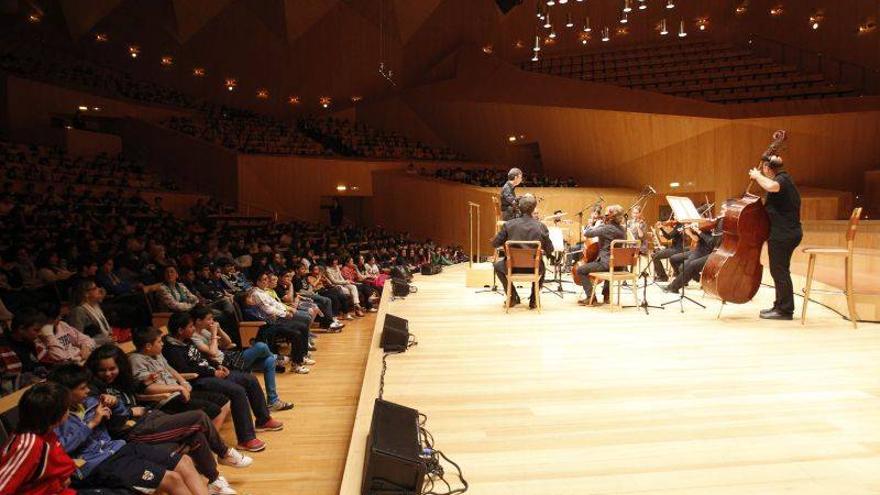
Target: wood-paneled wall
point(87, 143)
point(437, 209)
point(293, 186)
point(31, 104)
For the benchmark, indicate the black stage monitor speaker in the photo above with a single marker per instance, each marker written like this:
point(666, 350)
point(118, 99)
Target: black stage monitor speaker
point(507, 5)
point(393, 464)
point(395, 333)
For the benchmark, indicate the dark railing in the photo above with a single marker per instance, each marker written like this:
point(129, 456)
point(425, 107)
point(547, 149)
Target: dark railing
point(865, 79)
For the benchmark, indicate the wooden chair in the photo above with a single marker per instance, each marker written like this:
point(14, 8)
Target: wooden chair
point(847, 254)
point(523, 255)
point(159, 318)
point(624, 254)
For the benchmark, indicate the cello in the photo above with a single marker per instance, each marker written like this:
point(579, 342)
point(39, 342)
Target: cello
point(733, 272)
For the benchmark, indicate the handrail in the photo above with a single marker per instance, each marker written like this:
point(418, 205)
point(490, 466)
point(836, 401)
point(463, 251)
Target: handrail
point(839, 71)
point(249, 209)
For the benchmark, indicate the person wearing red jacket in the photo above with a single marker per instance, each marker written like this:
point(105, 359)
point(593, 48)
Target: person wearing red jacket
point(32, 461)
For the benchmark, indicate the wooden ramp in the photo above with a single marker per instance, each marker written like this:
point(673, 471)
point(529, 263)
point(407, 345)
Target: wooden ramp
point(588, 401)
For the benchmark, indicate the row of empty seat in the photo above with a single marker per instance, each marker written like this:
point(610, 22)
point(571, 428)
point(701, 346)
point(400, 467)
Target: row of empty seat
point(715, 72)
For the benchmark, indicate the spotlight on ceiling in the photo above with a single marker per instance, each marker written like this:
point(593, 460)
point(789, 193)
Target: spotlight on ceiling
point(199, 71)
point(325, 101)
point(231, 83)
point(134, 51)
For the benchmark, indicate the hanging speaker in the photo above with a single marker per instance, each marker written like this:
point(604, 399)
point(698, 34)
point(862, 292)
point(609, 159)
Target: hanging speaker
point(507, 5)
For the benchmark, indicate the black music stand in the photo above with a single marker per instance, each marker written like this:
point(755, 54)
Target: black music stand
point(557, 278)
point(681, 298)
point(644, 277)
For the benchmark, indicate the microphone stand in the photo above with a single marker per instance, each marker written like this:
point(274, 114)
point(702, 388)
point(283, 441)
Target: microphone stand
point(644, 277)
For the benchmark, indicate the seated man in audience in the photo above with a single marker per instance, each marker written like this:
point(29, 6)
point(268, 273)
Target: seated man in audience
point(40, 466)
point(109, 463)
point(242, 389)
point(60, 343)
point(217, 346)
point(87, 315)
point(280, 324)
point(299, 286)
point(235, 281)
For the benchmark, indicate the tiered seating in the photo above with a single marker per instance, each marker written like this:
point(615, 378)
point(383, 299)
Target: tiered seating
point(488, 177)
point(703, 70)
point(48, 165)
point(358, 139)
point(247, 132)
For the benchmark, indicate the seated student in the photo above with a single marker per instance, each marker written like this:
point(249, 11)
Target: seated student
point(365, 290)
point(279, 325)
point(161, 381)
point(110, 463)
point(242, 389)
point(214, 344)
point(61, 343)
point(19, 358)
point(333, 274)
point(173, 295)
point(111, 374)
point(299, 286)
point(33, 460)
point(342, 302)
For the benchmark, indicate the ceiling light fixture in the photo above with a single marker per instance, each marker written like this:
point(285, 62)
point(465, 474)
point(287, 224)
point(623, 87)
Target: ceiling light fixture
point(547, 24)
point(587, 28)
point(623, 19)
point(199, 71)
point(742, 8)
point(263, 94)
point(537, 47)
point(569, 23)
point(663, 30)
point(605, 34)
point(670, 4)
point(702, 23)
point(681, 32)
point(325, 101)
point(134, 51)
point(167, 60)
point(356, 98)
point(231, 83)
point(626, 6)
point(35, 17)
point(642, 5)
point(869, 26)
point(293, 100)
point(777, 11)
point(101, 37)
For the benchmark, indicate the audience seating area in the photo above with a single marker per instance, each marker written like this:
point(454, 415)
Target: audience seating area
point(247, 132)
point(489, 177)
point(358, 139)
point(715, 72)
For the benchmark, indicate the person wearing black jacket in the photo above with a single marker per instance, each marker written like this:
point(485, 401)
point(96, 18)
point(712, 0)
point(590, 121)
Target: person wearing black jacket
point(607, 232)
point(524, 228)
point(707, 242)
point(784, 209)
point(510, 207)
point(242, 389)
point(675, 235)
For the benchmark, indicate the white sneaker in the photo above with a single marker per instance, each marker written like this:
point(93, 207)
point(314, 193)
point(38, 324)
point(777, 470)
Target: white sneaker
point(336, 325)
point(308, 361)
point(221, 487)
point(300, 369)
point(236, 459)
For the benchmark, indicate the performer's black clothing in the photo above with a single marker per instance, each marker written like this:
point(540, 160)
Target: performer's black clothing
point(784, 209)
point(606, 233)
point(676, 248)
point(521, 229)
point(509, 202)
point(697, 257)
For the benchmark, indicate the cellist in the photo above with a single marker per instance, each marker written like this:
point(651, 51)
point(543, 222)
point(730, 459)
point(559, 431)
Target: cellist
point(609, 230)
point(784, 209)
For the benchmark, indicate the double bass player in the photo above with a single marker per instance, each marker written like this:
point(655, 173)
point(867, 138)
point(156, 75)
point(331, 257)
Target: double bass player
point(784, 209)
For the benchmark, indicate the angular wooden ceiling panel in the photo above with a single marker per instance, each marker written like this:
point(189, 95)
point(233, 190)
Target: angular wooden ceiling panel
point(301, 15)
point(411, 15)
point(192, 15)
point(82, 15)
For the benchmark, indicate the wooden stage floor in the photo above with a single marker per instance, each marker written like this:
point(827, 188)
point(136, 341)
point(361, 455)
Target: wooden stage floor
point(580, 400)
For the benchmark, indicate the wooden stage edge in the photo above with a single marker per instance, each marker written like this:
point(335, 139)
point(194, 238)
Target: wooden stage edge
point(579, 400)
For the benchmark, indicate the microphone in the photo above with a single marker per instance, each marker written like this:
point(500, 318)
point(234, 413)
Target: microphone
point(653, 191)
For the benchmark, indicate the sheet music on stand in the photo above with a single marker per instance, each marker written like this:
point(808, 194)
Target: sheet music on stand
point(683, 209)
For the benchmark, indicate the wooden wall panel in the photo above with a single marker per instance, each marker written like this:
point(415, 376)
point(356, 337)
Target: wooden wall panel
point(293, 186)
point(194, 164)
point(87, 143)
point(30, 105)
point(438, 210)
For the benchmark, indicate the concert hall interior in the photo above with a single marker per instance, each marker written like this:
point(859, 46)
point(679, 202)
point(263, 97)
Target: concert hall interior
point(439, 246)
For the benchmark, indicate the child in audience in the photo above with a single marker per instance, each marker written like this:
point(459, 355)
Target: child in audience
point(109, 463)
point(161, 381)
point(33, 461)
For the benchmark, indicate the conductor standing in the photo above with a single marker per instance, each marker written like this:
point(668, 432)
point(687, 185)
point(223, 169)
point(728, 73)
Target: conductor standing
point(524, 228)
point(510, 208)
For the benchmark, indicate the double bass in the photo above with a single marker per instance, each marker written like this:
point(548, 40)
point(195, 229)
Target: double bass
point(733, 272)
